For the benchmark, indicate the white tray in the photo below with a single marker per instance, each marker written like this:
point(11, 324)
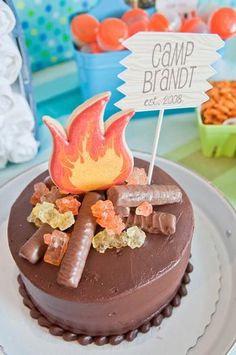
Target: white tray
point(205, 322)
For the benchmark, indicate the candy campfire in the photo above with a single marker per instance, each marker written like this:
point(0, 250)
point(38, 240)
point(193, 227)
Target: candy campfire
point(118, 211)
point(69, 211)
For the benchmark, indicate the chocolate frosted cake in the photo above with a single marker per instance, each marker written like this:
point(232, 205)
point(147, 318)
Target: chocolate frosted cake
point(102, 264)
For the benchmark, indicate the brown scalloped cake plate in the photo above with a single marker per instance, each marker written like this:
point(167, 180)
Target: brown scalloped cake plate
point(206, 313)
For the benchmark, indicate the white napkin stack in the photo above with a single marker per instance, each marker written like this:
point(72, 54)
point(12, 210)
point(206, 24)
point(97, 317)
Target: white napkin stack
point(17, 142)
point(7, 19)
point(10, 59)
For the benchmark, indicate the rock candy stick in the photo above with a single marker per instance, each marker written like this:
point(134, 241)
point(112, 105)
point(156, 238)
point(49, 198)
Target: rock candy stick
point(157, 222)
point(134, 195)
point(73, 263)
point(34, 249)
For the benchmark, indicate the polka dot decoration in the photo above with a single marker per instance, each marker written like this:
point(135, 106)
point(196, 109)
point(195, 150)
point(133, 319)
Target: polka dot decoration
point(46, 29)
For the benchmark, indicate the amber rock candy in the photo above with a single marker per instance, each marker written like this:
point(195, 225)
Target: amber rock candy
point(40, 189)
point(57, 244)
point(106, 217)
point(144, 209)
point(137, 177)
point(68, 203)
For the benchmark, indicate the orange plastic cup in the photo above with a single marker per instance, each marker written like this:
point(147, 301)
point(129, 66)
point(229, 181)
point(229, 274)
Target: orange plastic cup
point(84, 28)
point(111, 33)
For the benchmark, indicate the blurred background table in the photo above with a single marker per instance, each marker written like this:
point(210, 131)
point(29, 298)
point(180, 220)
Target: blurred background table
point(57, 93)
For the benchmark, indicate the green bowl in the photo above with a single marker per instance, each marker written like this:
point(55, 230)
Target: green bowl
point(217, 140)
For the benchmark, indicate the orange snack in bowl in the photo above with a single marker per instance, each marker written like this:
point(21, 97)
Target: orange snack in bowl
point(158, 23)
point(144, 209)
point(84, 28)
point(111, 33)
point(57, 245)
point(223, 22)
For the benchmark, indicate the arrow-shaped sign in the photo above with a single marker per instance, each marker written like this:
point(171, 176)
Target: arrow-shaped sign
point(165, 71)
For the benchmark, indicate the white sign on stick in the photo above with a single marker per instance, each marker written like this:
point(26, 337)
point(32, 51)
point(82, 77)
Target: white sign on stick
point(167, 70)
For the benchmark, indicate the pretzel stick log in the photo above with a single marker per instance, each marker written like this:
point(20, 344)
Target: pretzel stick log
point(34, 249)
point(157, 222)
point(134, 195)
point(73, 263)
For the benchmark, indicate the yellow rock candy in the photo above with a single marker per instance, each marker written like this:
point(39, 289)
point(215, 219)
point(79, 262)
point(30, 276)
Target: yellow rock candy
point(47, 213)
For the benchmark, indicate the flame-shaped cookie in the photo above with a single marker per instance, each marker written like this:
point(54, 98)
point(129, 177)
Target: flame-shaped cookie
point(90, 155)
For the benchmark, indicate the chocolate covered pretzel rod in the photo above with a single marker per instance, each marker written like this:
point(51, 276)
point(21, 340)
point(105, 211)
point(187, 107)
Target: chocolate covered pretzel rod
point(122, 211)
point(157, 222)
point(34, 249)
point(73, 263)
point(134, 195)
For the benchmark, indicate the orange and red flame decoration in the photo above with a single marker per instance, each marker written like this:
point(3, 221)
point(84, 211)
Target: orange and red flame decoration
point(89, 154)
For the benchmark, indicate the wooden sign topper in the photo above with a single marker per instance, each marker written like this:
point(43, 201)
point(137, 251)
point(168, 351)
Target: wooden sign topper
point(167, 70)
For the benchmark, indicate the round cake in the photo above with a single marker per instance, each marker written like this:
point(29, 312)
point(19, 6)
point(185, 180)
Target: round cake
point(121, 289)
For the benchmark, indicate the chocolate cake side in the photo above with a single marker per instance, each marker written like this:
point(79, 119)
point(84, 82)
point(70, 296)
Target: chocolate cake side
point(119, 289)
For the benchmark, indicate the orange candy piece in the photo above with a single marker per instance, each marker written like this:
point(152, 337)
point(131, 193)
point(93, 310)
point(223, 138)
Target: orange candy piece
point(112, 223)
point(137, 177)
point(52, 195)
point(193, 25)
point(133, 15)
point(102, 208)
point(84, 28)
point(106, 217)
point(40, 189)
point(144, 209)
point(68, 203)
point(57, 245)
point(223, 22)
point(159, 23)
point(137, 26)
point(111, 33)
